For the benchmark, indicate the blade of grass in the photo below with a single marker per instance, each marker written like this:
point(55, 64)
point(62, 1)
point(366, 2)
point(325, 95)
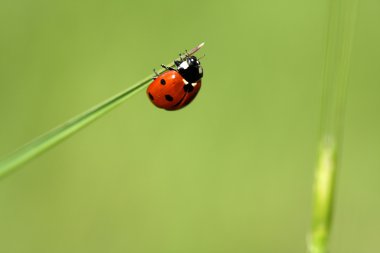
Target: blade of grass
point(342, 15)
point(53, 137)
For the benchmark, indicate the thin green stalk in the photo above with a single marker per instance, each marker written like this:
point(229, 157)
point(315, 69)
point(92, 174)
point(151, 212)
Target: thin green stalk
point(342, 15)
point(53, 137)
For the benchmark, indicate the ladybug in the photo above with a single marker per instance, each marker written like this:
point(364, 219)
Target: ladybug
point(176, 88)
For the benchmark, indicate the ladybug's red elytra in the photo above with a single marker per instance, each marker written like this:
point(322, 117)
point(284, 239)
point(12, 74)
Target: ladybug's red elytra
point(176, 88)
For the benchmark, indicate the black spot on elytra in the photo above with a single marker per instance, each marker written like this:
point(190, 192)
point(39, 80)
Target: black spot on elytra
point(168, 97)
point(188, 88)
point(150, 96)
point(162, 81)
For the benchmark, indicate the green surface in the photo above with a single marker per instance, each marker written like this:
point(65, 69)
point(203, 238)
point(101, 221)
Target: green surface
point(230, 173)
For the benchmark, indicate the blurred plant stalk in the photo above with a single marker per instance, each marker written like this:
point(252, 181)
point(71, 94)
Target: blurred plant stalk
point(340, 31)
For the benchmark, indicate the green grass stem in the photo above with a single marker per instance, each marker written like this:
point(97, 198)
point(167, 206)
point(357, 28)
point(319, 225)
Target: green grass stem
point(341, 23)
point(46, 141)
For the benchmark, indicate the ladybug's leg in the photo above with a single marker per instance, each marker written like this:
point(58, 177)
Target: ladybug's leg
point(177, 63)
point(155, 74)
point(166, 67)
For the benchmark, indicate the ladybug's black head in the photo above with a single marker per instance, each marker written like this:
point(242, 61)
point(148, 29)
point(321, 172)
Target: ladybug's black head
point(190, 69)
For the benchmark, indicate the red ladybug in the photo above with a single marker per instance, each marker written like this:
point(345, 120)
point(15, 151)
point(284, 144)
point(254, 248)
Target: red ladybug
point(176, 88)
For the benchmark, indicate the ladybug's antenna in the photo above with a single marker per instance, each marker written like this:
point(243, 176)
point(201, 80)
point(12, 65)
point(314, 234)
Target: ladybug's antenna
point(195, 49)
point(201, 57)
point(188, 54)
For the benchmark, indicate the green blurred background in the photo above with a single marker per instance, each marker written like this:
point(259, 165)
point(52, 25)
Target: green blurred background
point(230, 173)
